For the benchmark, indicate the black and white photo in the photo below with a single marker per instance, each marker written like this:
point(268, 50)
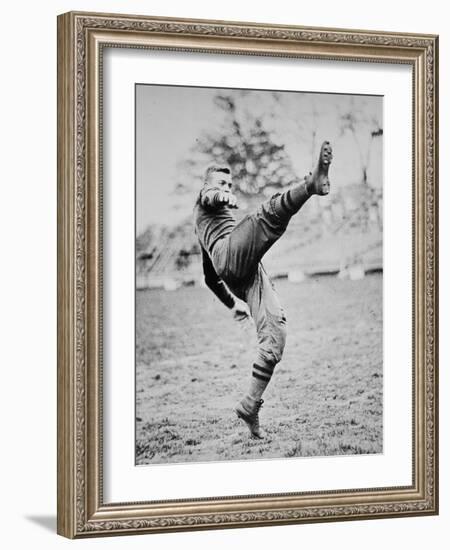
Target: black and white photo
point(259, 274)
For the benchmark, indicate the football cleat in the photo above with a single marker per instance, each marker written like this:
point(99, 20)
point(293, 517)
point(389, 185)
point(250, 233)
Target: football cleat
point(317, 183)
point(248, 411)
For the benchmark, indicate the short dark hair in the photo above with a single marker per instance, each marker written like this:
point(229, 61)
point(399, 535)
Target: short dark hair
point(216, 168)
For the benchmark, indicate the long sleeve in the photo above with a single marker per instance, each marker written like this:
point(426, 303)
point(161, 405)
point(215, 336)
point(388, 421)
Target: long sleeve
point(215, 283)
point(209, 198)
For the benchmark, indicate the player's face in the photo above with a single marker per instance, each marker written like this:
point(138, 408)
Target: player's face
point(221, 181)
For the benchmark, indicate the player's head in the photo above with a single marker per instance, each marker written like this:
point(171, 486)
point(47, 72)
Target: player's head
point(219, 176)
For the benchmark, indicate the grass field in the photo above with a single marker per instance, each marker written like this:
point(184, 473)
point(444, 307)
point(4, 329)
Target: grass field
point(193, 362)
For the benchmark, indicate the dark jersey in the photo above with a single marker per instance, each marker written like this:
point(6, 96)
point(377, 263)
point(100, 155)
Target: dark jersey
point(212, 223)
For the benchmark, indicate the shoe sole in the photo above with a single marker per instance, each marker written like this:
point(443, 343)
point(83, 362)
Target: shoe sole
point(321, 174)
point(326, 156)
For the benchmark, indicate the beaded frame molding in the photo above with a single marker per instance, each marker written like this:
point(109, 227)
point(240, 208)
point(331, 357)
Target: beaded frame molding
point(81, 39)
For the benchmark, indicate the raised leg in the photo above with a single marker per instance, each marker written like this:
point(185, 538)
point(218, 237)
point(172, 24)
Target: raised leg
point(236, 258)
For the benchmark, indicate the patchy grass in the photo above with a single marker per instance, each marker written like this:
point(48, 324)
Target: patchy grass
point(194, 363)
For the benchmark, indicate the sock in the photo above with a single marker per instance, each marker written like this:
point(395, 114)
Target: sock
point(260, 378)
point(290, 202)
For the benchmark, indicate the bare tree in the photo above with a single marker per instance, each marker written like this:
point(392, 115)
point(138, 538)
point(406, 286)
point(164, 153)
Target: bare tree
point(247, 143)
point(364, 127)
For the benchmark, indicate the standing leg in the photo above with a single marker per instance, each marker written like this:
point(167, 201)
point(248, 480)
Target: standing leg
point(270, 324)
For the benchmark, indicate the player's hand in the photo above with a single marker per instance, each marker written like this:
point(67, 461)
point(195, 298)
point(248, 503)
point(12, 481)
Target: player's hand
point(224, 197)
point(241, 313)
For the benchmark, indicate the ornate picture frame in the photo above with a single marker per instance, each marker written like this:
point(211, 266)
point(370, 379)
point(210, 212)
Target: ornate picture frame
point(82, 39)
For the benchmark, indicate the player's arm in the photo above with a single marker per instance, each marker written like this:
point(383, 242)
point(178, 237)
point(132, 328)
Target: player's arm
point(214, 197)
point(215, 283)
point(238, 308)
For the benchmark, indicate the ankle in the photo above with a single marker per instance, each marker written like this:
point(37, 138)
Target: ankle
point(251, 399)
point(250, 403)
point(310, 185)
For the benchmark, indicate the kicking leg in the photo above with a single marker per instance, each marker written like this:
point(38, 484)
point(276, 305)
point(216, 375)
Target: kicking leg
point(270, 324)
point(289, 203)
point(236, 258)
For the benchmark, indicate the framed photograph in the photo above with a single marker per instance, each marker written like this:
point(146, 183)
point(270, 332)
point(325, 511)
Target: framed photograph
point(247, 274)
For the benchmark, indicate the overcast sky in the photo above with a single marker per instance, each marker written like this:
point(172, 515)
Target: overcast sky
point(170, 118)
